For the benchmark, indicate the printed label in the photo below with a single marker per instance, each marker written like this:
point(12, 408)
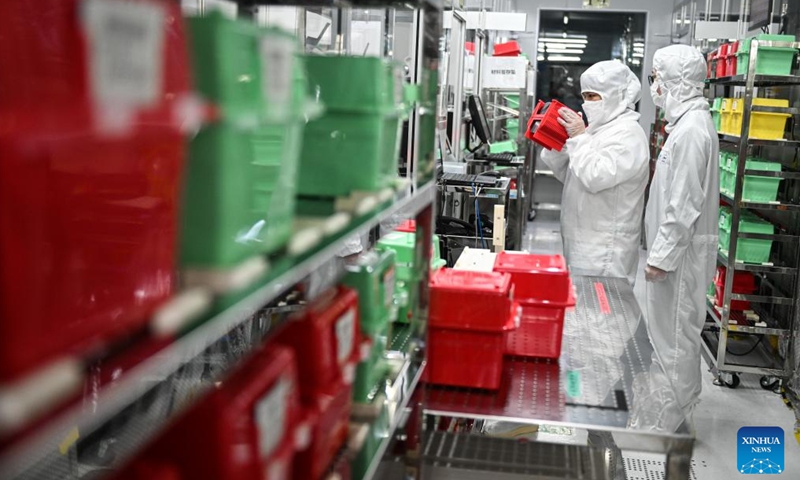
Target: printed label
point(602, 298)
point(573, 383)
point(126, 48)
point(270, 413)
point(277, 63)
point(345, 331)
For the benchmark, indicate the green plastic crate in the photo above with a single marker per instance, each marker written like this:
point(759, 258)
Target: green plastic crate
point(748, 250)
point(373, 277)
point(378, 432)
point(371, 372)
point(394, 122)
point(244, 69)
point(716, 116)
point(771, 60)
point(223, 214)
point(756, 188)
point(403, 244)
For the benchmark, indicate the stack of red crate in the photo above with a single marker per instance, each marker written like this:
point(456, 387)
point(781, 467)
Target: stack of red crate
point(469, 316)
point(543, 288)
point(325, 338)
point(92, 102)
point(722, 59)
point(744, 283)
point(730, 61)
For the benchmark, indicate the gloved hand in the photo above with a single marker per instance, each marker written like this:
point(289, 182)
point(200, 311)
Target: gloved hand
point(654, 274)
point(571, 121)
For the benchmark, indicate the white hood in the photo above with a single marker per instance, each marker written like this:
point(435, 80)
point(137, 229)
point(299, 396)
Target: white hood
point(618, 86)
point(680, 72)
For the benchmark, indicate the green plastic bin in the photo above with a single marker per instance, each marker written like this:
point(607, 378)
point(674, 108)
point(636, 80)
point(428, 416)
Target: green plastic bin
point(394, 122)
point(756, 188)
point(373, 277)
point(345, 150)
point(223, 213)
point(771, 60)
point(371, 372)
point(748, 250)
point(378, 432)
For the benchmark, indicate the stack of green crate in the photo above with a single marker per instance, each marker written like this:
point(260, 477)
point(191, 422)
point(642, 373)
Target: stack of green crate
point(771, 60)
point(241, 175)
point(373, 277)
point(429, 87)
point(756, 188)
point(352, 145)
point(748, 250)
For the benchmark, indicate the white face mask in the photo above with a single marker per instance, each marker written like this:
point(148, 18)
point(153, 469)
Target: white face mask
point(595, 112)
point(658, 98)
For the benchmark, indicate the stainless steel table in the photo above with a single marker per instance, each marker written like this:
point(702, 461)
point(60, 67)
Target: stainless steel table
point(608, 389)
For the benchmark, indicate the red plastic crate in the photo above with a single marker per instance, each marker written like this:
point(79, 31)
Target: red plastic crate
point(539, 333)
point(722, 55)
point(710, 71)
point(408, 226)
point(87, 241)
point(543, 127)
point(469, 300)
point(744, 283)
point(69, 64)
point(329, 417)
point(508, 49)
point(244, 429)
point(143, 469)
point(467, 358)
point(536, 278)
point(730, 60)
point(325, 338)
point(470, 47)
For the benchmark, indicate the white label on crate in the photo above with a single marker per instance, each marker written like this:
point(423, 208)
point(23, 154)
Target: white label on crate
point(277, 65)
point(270, 413)
point(388, 288)
point(125, 51)
point(345, 331)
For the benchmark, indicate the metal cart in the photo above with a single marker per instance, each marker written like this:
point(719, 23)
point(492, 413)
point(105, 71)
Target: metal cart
point(606, 395)
point(736, 342)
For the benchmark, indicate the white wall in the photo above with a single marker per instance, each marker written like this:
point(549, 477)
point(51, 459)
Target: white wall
point(659, 17)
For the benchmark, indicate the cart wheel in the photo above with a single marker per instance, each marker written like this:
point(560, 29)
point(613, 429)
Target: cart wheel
point(731, 380)
point(769, 383)
point(531, 215)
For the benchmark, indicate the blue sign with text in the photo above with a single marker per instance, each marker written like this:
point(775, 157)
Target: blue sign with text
point(760, 450)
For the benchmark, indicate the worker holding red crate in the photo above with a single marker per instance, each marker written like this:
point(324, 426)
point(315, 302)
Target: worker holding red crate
point(604, 168)
point(682, 219)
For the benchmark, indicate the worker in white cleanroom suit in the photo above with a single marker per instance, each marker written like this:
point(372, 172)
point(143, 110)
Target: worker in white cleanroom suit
point(681, 219)
point(604, 169)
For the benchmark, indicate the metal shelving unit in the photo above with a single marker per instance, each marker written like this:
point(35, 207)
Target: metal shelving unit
point(601, 395)
point(754, 352)
point(125, 414)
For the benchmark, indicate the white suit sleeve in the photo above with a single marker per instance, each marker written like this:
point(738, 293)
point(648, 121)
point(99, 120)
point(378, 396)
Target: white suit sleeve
point(603, 164)
point(688, 166)
point(557, 161)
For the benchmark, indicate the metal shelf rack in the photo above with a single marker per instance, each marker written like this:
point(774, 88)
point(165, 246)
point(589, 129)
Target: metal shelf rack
point(725, 327)
point(128, 413)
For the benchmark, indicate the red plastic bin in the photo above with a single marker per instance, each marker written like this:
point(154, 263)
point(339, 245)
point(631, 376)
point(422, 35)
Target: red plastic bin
point(710, 57)
point(247, 428)
point(536, 278)
point(722, 55)
point(469, 300)
point(142, 469)
point(507, 49)
point(329, 417)
point(468, 358)
point(744, 283)
point(87, 241)
point(730, 60)
point(69, 64)
point(325, 338)
point(543, 127)
point(540, 330)
point(408, 226)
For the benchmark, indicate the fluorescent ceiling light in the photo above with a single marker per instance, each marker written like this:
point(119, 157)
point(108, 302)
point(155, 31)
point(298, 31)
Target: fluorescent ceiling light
point(563, 40)
point(638, 55)
point(563, 58)
point(561, 35)
point(575, 51)
point(564, 45)
point(540, 58)
point(566, 19)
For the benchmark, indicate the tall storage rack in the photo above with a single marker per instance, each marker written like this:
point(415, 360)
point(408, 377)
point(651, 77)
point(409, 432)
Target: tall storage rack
point(128, 413)
point(762, 344)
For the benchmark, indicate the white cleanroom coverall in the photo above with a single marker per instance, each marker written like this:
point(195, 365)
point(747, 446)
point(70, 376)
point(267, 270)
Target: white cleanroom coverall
point(605, 173)
point(682, 219)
